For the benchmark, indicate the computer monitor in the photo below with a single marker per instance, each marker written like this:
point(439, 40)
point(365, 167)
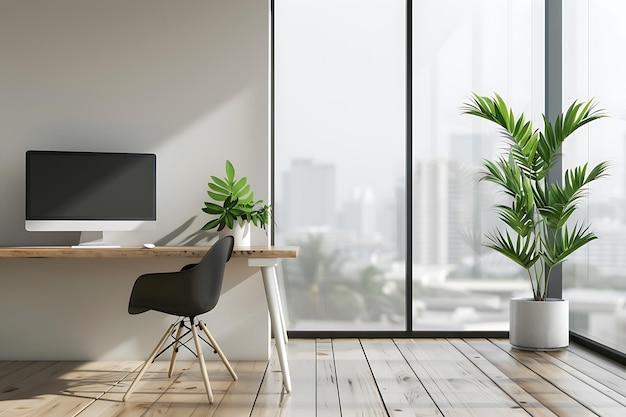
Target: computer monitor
point(90, 192)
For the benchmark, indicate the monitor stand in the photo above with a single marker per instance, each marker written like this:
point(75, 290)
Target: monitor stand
point(92, 240)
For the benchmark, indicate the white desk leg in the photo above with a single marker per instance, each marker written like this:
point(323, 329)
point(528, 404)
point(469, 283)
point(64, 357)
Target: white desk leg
point(280, 308)
point(270, 283)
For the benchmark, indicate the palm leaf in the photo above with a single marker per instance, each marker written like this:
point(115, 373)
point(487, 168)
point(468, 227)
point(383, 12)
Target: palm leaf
point(522, 251)
point(565, 243)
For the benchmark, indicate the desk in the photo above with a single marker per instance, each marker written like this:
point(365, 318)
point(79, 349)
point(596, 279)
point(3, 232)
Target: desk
point(264, 257)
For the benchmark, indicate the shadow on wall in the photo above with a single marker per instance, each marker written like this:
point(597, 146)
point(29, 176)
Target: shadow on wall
point(182, 236)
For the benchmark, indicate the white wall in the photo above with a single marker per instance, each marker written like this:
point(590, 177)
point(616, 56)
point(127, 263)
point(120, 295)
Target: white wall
point(187, 80)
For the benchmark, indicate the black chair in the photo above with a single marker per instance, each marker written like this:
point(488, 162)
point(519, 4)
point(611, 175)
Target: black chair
point(192, 291)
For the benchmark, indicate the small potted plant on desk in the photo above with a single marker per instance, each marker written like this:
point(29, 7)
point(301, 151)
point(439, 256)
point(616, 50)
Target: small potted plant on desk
point(536, 212)
point(234, 207)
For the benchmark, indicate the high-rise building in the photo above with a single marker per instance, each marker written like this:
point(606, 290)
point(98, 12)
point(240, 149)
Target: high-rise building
point(448, 209)
point(309, 196)
point(360, 214)
point(430, 213)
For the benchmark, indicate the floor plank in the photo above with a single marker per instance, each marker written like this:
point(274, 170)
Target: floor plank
point(333, 378)
point(239, 399)
point(271, 395)
point(327, 404)
point(588, 396)
point(541, 389)
point(273, 400)
point(598, 361)
point(400, 388)
point(302, 364)
point(612, 386)
point(63, 388)
point(14, 372)
point(507, 384)
point(458, 387)
point(358, 391)
point(186, 395)
point(148, 393)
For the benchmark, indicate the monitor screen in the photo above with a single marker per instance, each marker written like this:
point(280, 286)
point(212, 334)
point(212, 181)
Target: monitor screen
point(80, 191)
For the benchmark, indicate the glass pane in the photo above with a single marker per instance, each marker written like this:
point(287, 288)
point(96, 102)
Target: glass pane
point(339, 161)
point(462, 47)
point(594, 278)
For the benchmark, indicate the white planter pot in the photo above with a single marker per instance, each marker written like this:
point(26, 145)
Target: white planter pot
point(539, 325)
point(241, 233)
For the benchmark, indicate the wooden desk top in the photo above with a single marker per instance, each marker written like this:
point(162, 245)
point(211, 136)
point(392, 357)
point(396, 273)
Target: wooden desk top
point(141, 252)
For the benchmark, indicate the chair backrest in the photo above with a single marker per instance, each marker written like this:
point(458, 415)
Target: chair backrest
point(192, 291)
point(205, 279)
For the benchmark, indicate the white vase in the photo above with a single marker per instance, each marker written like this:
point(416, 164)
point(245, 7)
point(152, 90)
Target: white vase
point(539, 325)
point(241, 233)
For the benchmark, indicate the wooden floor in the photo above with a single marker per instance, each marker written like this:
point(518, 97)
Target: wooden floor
point(339, 377)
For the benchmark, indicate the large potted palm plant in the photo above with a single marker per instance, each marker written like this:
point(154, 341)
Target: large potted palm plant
point(538, 233)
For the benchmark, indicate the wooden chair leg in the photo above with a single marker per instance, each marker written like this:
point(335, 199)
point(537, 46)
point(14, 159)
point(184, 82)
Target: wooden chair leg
point(218, 350)
point(205, 375)
point(148, 361)
point(175, 348)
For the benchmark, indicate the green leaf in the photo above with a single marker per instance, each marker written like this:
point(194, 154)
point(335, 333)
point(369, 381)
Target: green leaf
point(522, 251)
point(220, 183)
point(211, 208)
point(211, 225)
point(229, 220)
point(218, 189)
point(241, 189)
point(247, 200)
point(217, 196)
point(230, 172)
point(565, 243)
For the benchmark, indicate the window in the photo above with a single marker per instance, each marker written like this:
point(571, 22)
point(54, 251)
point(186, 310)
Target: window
point(594, 278)
point(340, 152)
point(340, 160)
point(460, 48)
